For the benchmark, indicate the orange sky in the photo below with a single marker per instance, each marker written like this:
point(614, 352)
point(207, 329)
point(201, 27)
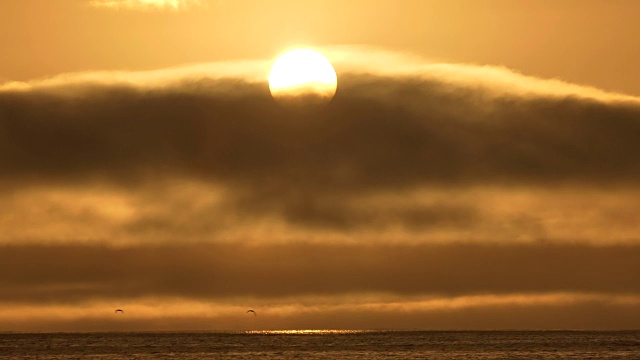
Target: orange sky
point(588, 42)
point(475, 170)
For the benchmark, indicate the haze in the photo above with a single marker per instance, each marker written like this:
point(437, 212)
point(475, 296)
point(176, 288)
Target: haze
point(476, 169)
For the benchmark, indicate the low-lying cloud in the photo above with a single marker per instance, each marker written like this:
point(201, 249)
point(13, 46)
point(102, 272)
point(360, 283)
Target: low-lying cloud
point(437, 130)
point(379, 133)
point(76, 273)
point(418, 181)
point(483, 312)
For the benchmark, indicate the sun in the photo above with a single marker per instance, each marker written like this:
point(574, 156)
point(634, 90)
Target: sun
point(302, 77)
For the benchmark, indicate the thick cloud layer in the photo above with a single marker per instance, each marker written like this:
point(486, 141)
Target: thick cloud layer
point(378, 133)
point(78, 273)
point(436, 128)
point(429, 181)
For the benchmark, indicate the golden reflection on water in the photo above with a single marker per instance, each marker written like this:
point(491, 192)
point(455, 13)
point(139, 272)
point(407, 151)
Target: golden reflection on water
point(304, 332)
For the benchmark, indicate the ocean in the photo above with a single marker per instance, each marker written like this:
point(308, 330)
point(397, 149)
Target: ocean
point(325, 344)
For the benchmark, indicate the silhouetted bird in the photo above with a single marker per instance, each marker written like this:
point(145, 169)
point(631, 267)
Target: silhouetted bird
point(251, 311)
point(119, 311)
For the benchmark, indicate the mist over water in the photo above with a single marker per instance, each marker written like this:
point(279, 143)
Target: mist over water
point(325, 344)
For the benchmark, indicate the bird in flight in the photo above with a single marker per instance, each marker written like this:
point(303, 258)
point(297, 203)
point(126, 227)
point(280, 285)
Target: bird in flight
point(119, 311)
point(251, 311)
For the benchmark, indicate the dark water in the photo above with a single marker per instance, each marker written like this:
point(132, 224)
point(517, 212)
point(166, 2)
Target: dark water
point(325, 345)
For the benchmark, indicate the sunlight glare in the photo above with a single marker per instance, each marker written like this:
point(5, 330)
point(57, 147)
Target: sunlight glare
point(304, 75)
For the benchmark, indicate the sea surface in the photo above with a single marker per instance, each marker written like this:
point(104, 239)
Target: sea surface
point(325, 344)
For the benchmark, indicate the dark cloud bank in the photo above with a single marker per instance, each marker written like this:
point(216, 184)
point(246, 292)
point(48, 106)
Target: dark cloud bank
point(378, 133)
point(77, 273)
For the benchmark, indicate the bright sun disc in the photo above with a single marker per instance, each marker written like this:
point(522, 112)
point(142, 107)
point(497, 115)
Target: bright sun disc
point(302, 77)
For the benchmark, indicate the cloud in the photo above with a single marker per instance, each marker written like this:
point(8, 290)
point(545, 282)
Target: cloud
point(145, 213)
point(485, 312)
point(379, 133)
point(417, 182)
point(147, 4)
point(77, 273)
point(435, 152)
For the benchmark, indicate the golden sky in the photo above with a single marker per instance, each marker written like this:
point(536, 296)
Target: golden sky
point(477, 168)
point(590, 42)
